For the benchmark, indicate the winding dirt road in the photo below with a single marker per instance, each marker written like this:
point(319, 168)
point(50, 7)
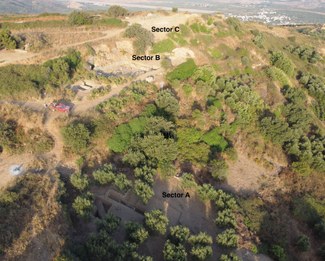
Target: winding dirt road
point(158, 20)
point(52, 127)
point(52, 119)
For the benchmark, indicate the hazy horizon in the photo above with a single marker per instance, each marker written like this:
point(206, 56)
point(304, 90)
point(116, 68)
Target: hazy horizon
point(268, 11)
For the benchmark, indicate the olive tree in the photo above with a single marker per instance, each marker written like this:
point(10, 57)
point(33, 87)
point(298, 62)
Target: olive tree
point(79, 181)
point(174, 252)
point(83, 205)
point(156, 221)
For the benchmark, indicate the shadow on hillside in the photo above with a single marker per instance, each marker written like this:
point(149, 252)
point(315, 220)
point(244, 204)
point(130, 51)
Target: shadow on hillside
point(274, 219)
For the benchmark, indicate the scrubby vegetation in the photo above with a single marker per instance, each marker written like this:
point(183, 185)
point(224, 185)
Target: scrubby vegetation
point(148, 167)
point(30, 204)
point(305, 53)
point(14, 138)
point(32, 80)
point(76, 137)
point(79, 18)
point(163, 46)
point(143, 37)
point(117, 11)
point(7, 41)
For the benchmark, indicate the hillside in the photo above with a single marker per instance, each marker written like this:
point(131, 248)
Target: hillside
point(161, 136)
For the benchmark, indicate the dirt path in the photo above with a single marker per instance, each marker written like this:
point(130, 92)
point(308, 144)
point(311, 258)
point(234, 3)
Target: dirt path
point(158, 20)
point(52, 127)
point(84, 105)
point(20, 56)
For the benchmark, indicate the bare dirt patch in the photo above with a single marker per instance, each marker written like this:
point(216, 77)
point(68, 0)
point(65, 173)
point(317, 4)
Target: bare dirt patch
point(6, 161)
point(161, 20)
point(245, 176)
point(15, 56)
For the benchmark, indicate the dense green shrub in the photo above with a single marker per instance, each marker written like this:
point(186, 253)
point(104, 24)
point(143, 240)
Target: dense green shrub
point(226, 218)
point(218, 169)
point(199, 28)
point(227, 238)
point(241, 99)
point(278, 253)
point(117, 11)
point(79, 181)
point(121, 138)
point(145, 174)
point(213, 138)
point(229, 257)
point(76, 137)
point(19, 81)
point(258, 39)
point(167, 102)
point(9, 136)
point(206, 74)
point(316, 88)
point(188, 135)
point(234, 24)
point(182, 71)
point(190, 148)
point(136, 232)
point(297, 117)
point(143, 37)
point(101, 246)
point(122, 182)
point(305, 53)
point(79, 18)
point(60, 70)
point(154, 148)
point(275, 129)
point(83, 205)
point(278, 59)
point(224, 200)
point(277, 74)
point(294, 95)
point(7, 41)
point(143, 190)
point(109, 223)
point(303, 243)
point(188, 181)
point(174, 252)
point(163, 46)
point(308, 150)
point(179, 234)
point(104, 175)
point(155, 220)
point(201, 245)
point(207, 192)
point(123, 134)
